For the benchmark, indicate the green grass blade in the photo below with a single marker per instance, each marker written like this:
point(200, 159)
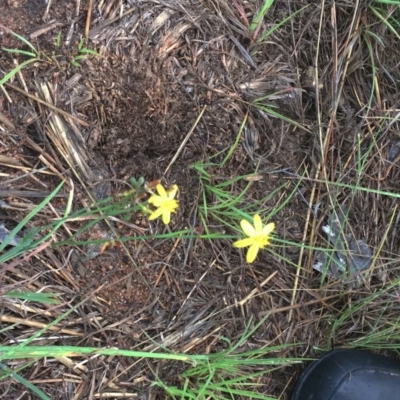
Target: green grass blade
point(80, 57)
point(272, 113)
point(386, 22)
point(21, 38)
point(89, 51)
point(45, 298)
point(394, 2)
point(17, 51)
point(235, 144)
point(26, 383)
point(37, 352)
point(277, 26)
point(260, 15)
point(26, 219)
point(18, 68)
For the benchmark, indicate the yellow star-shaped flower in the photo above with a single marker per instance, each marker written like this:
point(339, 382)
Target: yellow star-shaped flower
point(258, 237)
point(164, 202)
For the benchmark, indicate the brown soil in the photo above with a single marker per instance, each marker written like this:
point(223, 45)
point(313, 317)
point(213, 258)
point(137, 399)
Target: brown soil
point(162, 64)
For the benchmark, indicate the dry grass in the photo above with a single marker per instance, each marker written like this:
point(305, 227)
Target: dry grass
point(324, 133)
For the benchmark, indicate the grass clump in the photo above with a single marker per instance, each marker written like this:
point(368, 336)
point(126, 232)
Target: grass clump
point(79, 53)
point(230, 373)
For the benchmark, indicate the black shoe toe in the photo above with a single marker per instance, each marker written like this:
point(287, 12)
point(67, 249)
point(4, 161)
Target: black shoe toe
point(350, 375)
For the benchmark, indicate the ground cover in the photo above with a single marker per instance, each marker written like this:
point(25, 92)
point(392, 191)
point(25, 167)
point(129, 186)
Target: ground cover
point(286, 110)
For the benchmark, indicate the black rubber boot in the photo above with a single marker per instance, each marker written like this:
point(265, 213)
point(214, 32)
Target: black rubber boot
point(350, 375)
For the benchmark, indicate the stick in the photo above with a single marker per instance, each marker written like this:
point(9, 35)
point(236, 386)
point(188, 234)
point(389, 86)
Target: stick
point(54, 108)
point(185, 140)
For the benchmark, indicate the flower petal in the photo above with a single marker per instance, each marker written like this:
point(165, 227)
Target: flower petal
point(161, 191)
point(247, 228)
point(156, 200)
point(258, 225)
point(166, 217)
point(264, 241)
point(252, 253)
point(156, 214)
point(268, 228)
point(172, 191)
point(243, 243)
point(171, 205)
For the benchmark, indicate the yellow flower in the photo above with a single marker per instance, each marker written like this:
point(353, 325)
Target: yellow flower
point(258, 237)
point(164, 202)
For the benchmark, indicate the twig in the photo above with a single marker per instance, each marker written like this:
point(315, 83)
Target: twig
point(36, 324)
point(78, 6)
point(26, 193)
point(54, 108)
point(167, 261)
point(185, 140)
point(46, 13)
point(44, 29)
point(98, 28)
point(6, 94)
point(254, 291)
point(88, 19)
point(8, 267)
point(313, 190)
point(20, 76)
